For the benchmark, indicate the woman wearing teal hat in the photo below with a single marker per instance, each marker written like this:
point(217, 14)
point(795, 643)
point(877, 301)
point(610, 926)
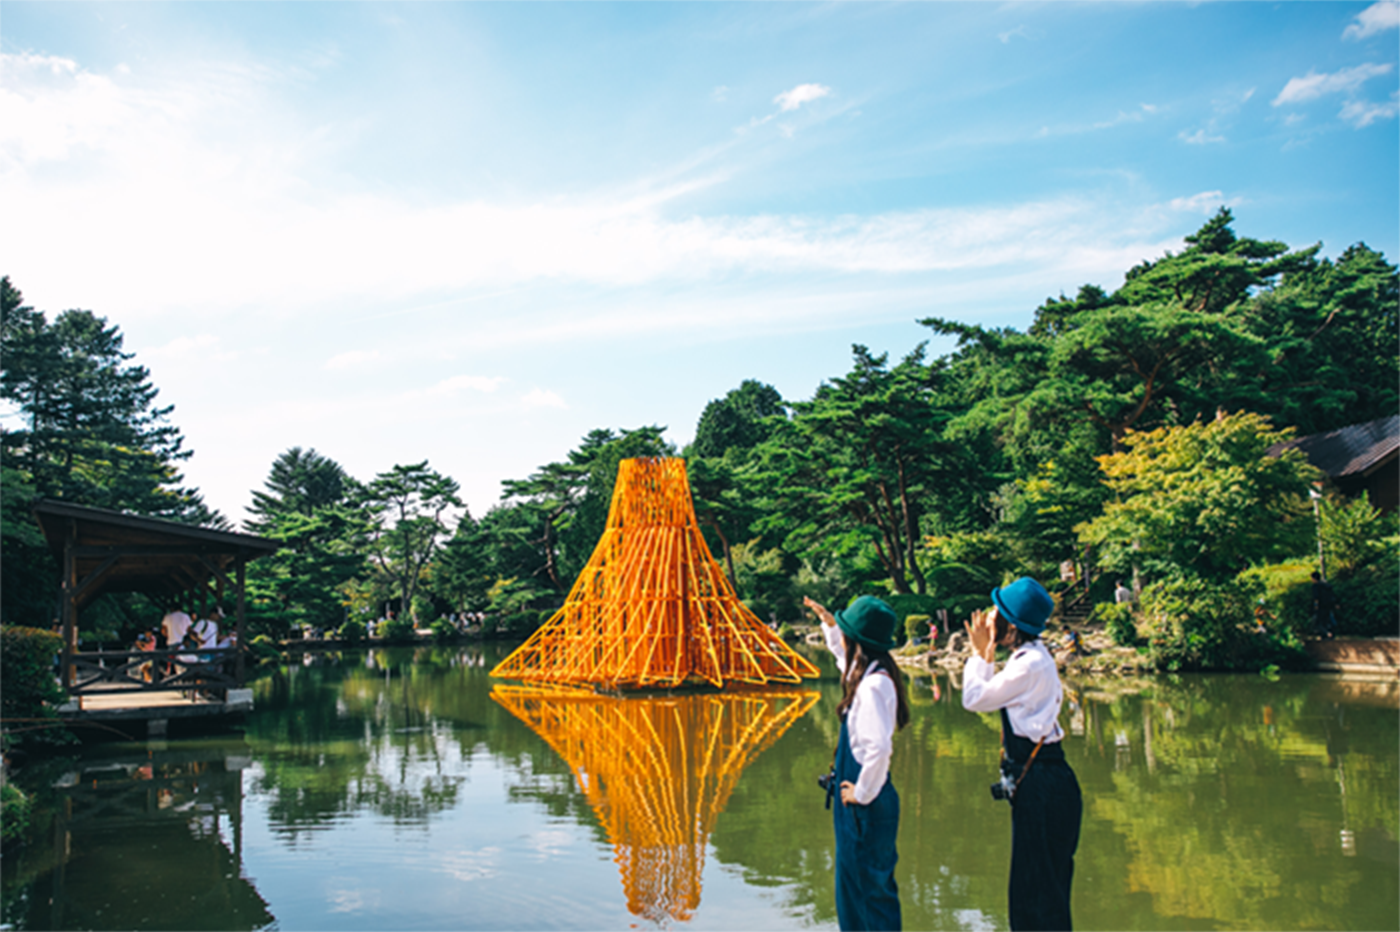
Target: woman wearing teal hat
point(1046, 805)
point(873, 706)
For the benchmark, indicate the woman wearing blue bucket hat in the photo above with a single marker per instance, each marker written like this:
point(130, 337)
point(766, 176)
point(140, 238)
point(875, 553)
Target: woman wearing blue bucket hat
point(873, 706)
point(1046, 805)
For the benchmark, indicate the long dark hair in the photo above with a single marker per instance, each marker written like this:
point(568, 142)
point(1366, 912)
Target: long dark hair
point(859, 658)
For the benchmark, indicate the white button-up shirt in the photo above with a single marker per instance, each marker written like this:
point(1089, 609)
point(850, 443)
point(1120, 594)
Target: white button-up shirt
point(870, 721)
point(1028, 687)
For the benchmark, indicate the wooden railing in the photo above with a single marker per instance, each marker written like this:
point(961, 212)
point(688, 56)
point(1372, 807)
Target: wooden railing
point(207, 670)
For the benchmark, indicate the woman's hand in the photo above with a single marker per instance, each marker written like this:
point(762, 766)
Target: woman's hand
point(982, 632)
point(819, 610)
point(848, 793)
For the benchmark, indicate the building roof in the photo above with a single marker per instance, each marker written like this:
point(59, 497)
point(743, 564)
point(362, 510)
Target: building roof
point(1354, 450)
point(118, 552)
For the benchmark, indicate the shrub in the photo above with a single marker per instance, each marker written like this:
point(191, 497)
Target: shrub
point(1194, 624)
point(1366, 603)
point(353, 631)
point(1118, 619)
point(397, 630)
point(15, 807)
point(27, 670)
point(916, 626)
point(1287, 594)
point(443, 630)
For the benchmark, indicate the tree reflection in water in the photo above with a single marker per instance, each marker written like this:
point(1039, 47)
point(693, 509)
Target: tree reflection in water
point(657, 770)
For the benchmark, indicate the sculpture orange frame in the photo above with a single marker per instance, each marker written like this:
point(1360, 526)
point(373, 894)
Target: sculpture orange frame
point(652, 609)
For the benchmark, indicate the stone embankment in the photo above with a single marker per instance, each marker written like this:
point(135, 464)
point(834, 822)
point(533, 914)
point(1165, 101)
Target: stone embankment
point(1346, 655)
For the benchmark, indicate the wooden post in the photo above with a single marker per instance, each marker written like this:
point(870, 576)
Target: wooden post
point(242, 588)
point(68, 610)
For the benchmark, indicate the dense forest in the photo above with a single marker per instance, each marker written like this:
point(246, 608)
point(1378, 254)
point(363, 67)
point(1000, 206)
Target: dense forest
point(1121, 435)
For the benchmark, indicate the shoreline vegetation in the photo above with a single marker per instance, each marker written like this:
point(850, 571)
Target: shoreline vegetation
point(1134, 442)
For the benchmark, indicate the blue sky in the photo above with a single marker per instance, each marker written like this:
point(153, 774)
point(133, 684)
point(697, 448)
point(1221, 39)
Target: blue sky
point(470, 233)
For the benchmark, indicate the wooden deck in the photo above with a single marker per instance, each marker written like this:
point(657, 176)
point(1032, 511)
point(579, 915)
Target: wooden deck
point(148, 713)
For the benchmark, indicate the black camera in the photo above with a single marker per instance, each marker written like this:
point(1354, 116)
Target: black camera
point(1005, 788)
point(827, 781)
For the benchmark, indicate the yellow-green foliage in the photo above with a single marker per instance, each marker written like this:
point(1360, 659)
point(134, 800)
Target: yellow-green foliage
point(1204, 499)
point(1287, 591)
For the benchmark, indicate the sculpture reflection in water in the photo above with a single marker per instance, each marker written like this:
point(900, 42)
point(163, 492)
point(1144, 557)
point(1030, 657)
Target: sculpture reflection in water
point(658, 771)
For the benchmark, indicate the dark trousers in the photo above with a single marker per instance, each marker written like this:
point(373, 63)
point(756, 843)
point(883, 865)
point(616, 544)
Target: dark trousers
point(867, 897)
point(1044, 836)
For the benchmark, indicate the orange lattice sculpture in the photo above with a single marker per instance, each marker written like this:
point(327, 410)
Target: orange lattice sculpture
point(658, 771)
point(652, 608)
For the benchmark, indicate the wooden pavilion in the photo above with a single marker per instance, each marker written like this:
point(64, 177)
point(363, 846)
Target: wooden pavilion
point(176, 565)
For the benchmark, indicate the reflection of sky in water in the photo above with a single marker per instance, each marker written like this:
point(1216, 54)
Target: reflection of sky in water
point(479, 865)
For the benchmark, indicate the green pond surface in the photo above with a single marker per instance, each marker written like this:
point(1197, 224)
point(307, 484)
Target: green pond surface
point(390, 789)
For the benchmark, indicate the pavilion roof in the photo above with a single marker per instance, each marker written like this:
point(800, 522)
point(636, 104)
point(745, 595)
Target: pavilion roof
point(121, 552)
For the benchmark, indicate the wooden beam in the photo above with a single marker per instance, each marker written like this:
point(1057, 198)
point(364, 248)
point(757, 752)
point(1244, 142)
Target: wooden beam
point(95, 575)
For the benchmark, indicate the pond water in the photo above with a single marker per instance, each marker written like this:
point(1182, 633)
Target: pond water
point(405, 789)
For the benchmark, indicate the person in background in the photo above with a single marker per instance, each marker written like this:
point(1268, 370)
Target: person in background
point(174, 626)
point(1122, 593)
point(145, 641)
point(1324, 604)
point(873, 706)
point(1046, 805)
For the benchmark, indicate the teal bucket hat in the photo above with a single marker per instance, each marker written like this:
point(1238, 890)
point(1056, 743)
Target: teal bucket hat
point(869, 621)
point(1025, 604)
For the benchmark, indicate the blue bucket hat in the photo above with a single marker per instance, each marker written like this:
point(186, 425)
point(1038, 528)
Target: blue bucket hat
point(1025, 604)
point(870, 621)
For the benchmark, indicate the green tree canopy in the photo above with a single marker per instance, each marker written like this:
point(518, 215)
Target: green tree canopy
point(1207, 499)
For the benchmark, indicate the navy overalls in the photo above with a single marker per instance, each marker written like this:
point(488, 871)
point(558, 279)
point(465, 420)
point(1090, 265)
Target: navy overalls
point(1045, 814)
point(866, 895)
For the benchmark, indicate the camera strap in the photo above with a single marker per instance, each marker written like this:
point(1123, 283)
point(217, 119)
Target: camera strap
point(1030, 760)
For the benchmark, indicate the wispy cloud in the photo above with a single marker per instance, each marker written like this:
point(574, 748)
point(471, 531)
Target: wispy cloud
point(351, 359)
point(476, 383)
point(1313, 85)
point(1377, 17)
point(1206, 202)
point(799, 95)
point(1019, 31)
point(1361, 113)
point(1200, 137)
point(542, 398)
point(184, 346)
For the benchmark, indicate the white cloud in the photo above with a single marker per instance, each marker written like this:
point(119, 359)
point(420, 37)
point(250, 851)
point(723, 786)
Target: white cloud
point(351, 359)
point(476, 383)
point(1204, 203)
point(720, 94)
point(183, 346)
point(1006, 37)
point(1361, 113)
point(1199, 138)
point(1314, 85)
point(1377, 17)
point(799, 95)
point(542, 398)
